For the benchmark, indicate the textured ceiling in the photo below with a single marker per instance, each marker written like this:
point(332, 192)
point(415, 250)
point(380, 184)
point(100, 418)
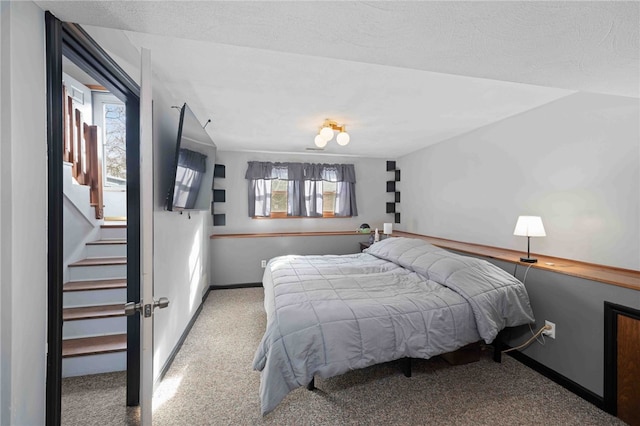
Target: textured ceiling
point(407, 74)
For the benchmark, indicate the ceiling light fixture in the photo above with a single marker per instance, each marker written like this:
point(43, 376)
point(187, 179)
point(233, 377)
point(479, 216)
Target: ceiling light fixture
point(326, 134)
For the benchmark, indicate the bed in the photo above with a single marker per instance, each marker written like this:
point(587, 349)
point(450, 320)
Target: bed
point(401, 298)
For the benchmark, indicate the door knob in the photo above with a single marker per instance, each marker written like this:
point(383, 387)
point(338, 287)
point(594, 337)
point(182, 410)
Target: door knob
point(161, 303)
point(131, 308)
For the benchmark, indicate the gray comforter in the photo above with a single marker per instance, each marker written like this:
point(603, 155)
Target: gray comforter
point(403, 298)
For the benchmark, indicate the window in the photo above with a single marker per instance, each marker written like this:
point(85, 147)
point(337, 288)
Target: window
point(279, 197)
point(279, 190)
point(110, 116)
point(328, 199)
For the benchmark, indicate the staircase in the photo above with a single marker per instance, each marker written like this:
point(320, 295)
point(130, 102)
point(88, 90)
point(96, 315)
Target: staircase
point(94, 327)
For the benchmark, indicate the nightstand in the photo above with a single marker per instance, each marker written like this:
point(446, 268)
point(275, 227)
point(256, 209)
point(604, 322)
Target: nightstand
point(364, 245)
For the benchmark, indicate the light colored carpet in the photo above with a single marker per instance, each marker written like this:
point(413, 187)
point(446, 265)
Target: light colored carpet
point(211, 383)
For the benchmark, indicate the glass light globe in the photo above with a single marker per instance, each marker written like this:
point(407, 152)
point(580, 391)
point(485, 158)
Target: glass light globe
point(320, 142)
point(343, 138)
point(326, 133)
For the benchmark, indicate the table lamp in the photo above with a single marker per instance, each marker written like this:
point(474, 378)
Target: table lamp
point(387, 229)
point(529, 226)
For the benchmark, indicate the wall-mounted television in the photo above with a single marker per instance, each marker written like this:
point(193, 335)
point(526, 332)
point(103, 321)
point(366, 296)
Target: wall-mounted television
point(193, 145)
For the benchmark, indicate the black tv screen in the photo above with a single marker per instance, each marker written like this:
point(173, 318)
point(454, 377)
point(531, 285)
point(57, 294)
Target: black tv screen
point(190, 165)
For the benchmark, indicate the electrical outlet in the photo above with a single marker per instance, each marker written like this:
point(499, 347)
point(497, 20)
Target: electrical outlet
point(552, 332)
point(263, 263)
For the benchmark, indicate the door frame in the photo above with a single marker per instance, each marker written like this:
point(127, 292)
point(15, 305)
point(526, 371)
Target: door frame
point(610, 387)
point(70, 40)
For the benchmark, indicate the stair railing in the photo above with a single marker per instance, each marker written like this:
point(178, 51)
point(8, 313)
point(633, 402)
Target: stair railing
point(82, 150)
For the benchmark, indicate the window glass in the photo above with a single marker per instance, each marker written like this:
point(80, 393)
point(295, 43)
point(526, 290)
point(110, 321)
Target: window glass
point(114, 144)
point(279, 198)
point(328, 199)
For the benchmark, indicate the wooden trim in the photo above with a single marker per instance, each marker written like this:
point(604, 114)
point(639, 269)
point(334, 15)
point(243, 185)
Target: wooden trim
point(115, 218)
point(94, 168)
point(558, 378)
point(96, 88)
point(289, 234)
point(620, 277)
point(300, 217)
point(610, 387)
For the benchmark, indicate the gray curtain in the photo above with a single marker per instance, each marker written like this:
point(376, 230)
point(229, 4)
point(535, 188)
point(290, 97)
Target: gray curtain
point(304, 187)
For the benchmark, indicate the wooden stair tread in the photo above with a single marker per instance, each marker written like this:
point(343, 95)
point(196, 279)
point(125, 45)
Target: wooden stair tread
point(94, 345)
point(95, 285)
point(91, 312)
point(106, 242)
point(100, 261)
point(113, 225)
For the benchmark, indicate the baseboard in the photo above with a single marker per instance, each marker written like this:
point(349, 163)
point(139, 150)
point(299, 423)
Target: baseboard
point(563, 381)
point(232, 286)
point(178, 345)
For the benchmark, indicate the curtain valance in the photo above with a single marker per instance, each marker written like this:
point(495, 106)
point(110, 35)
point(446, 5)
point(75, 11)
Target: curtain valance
point(301, 171)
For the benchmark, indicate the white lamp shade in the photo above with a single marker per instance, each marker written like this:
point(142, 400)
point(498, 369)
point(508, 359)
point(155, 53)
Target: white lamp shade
point(529, 226)
point(388, 228)
point(320, 141)
point(326, 133)
point(343, 138)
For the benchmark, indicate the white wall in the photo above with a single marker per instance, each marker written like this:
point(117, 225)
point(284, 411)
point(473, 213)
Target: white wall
point(575, 162)
point(23, 259)
point(371, 195)
point(181, 241)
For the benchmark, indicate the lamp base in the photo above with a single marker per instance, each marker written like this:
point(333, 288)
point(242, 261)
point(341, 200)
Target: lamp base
point(528, 260)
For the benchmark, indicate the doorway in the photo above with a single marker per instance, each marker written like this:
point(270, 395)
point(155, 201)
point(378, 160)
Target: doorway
point(71, 42)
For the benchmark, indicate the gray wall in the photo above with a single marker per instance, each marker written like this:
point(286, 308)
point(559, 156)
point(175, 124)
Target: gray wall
point(574, 161)
point(576, 306)
point(23, 191)
point(237, 260)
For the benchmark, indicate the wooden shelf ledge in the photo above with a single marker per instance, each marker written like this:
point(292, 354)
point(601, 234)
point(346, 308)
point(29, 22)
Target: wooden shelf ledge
point(290, 234)
point(627, 278)
point(620, 277)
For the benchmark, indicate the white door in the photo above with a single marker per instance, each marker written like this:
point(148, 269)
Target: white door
point(147, 303)
point(146, 238)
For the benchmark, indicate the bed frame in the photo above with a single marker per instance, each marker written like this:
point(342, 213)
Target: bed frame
point(464, 355)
